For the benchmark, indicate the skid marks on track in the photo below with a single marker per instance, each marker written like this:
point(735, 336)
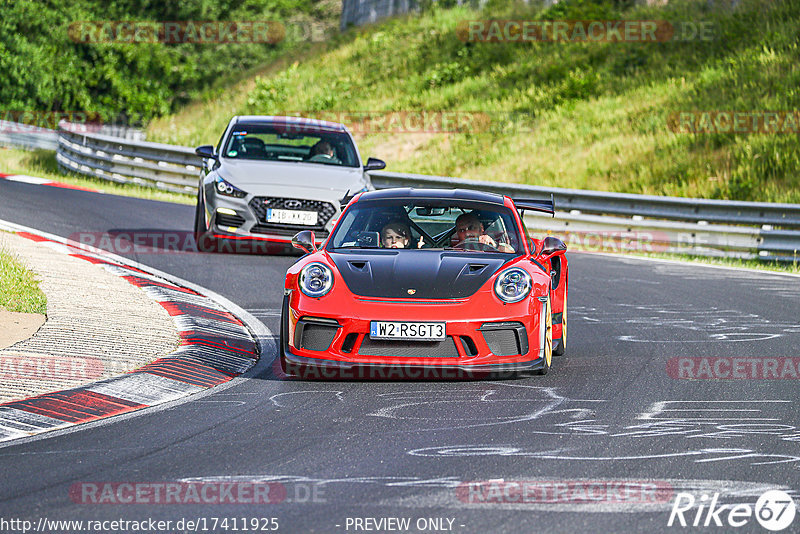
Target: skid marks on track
point(684, 323)
point(554, 494)
point(699, 431)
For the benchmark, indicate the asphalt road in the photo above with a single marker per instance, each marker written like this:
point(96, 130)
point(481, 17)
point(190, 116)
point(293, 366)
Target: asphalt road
point(603, 443)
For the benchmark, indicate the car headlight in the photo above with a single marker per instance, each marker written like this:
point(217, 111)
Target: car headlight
point(316, 279)
point(512, 285)
point(228, 190)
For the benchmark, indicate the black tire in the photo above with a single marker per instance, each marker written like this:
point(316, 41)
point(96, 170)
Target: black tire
point(202, 242)
point(548, 350)
point(562, 342)
point(283, 336)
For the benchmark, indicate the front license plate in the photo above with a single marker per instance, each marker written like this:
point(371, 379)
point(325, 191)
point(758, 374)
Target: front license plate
point(307, 218)
point(406, 330)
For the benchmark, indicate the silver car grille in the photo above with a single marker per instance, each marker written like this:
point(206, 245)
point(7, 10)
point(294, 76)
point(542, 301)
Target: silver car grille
point(260, 205)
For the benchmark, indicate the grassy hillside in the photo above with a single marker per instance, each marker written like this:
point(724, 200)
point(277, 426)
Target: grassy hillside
point(592, 115)
point(45, 68)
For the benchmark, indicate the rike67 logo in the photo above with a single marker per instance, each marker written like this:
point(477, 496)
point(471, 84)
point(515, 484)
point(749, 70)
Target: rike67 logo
point(774, 510)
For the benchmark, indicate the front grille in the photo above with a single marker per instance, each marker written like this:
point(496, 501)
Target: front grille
point(259, 205)
point(229, 220)
point(287, 230)
point(505, 339)
point(420, 349)
point(315, 334)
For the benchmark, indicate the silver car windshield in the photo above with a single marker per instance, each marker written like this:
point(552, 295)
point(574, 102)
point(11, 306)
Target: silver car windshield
point(443, 225)
point(289, 143)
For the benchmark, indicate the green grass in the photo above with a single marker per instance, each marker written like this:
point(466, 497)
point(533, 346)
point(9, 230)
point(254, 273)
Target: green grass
point(19, 288)
point(592, 115)
point(42, 164)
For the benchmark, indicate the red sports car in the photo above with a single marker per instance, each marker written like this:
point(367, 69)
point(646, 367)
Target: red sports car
point(426, 283)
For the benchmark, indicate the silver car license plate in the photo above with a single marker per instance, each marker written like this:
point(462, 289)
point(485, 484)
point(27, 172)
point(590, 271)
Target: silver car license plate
point(307, 218)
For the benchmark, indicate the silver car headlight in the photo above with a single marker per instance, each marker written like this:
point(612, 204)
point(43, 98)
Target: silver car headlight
point(316, 279)
point(227, 189)
point(512, 285)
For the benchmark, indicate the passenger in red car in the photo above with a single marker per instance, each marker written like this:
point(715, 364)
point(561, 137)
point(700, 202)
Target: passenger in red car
point(397, 235)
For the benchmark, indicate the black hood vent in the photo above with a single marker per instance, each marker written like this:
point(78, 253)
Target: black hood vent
point(416, 274)
point(358, 266)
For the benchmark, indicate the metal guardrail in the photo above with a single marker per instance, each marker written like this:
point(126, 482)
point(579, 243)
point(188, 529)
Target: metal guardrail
point(598, 233)
point(25, 136)
point(657, 207)
point(589, 220)
point(360, 12)
point(655, 224)
point(168, 167)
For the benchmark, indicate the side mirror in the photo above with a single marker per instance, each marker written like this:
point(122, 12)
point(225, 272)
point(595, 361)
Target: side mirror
point(368, 239)
point(552, 246)
point(374, 164)
point(206, 151)
point(304, 241)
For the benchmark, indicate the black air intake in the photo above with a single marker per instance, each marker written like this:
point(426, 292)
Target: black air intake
point(223, 219)
point(314, 333)
point(505, 339)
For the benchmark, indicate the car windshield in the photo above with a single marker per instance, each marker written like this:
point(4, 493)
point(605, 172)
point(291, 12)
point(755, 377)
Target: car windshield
point(290, 143)
point(413, 224)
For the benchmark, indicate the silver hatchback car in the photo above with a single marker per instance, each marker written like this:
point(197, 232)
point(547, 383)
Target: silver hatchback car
point(271, 177)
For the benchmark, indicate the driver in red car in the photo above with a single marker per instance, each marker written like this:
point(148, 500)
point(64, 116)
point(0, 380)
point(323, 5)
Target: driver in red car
point(468, 226)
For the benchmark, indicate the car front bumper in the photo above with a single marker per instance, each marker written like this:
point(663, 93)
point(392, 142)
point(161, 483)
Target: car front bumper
point(244, 219)
point(305, 367)
point(483, 336)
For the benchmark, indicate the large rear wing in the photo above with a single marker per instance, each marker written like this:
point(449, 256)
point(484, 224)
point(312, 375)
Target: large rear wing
point(535, 204)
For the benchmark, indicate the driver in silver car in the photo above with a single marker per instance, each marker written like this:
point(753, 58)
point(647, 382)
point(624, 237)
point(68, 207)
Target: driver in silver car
point(468, 226)
point(323, 152)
